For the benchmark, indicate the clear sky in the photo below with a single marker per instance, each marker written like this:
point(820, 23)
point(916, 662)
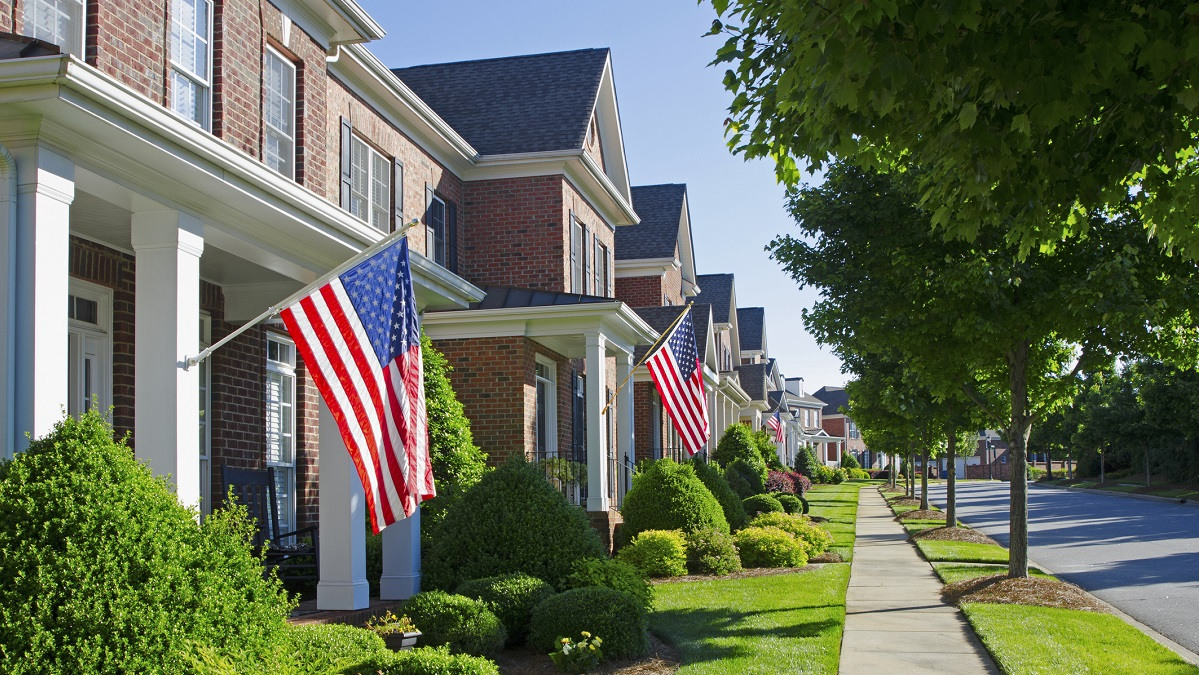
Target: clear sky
point(672, 109)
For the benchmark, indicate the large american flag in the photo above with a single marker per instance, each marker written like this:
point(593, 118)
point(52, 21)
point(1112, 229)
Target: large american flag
point(359, 335)
point(776, 422)
point(677, 373)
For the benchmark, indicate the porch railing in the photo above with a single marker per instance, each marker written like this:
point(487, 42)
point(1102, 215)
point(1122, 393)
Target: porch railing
point(567, 472)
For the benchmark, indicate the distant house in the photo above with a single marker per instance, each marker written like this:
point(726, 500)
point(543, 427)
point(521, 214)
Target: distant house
point(719, 291)
point(837, 423)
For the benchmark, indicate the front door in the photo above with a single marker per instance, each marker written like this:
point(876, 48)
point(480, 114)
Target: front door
point(89, 348)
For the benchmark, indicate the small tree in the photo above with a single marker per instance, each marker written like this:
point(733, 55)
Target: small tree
point(738, 443)
point(805, 461)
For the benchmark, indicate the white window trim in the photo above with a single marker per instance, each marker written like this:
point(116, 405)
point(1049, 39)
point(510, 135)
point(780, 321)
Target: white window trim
point(183, 70)
point(551, 432)
point(287, 370)
point(102, 296)
point(288, 64)
point(430, 241)
point(577, 244)
point(79, 47)
point(371, 206)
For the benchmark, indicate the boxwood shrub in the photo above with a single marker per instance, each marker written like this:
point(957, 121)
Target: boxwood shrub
point(512, 597)
point(318, 648)
point(422, 661)
point(463, 624)
point(713, 479)
point(745, 479)
point(762, 504)
point(770, 547)
point(712, 552)
point(816, 539)
point(669, 496)
point(512, 520)
point(614, 574)
point(657, 553)
point(613, 616)
point(104, 571)
point(738, 443)
point(791, 503)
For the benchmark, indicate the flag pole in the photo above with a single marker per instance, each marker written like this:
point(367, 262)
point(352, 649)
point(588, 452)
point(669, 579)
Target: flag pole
point(280, 306)
point(661, 338)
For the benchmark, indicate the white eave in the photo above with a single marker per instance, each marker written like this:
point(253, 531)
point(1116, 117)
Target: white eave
point(575, 164)
point(554, 324)
point(646, 267)
point(332, 22)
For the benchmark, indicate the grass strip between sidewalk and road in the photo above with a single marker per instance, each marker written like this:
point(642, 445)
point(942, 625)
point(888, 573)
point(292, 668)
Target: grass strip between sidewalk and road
point(951, 572)
point(935, 550)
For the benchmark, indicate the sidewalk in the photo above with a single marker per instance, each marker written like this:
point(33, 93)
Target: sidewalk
point(895, 619)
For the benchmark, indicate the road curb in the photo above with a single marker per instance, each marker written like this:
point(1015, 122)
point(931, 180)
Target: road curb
point(1152, 498)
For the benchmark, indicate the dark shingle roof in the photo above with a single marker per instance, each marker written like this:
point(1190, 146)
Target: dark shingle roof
point(751, 326)
point(660, 318)
point(834, 398)
point(21, 47)
point(753, 379)
point(716, 290)
point(660, 207)
point(530, 103)
point(504, 297)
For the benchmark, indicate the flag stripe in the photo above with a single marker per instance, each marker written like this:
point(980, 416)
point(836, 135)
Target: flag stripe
point(663, 370)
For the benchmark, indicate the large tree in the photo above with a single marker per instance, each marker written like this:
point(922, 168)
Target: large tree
point(1026, 115)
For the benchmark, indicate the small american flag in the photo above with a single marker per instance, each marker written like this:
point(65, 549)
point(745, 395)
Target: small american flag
point(776, 422)
point(359, 335)
point(676, 371)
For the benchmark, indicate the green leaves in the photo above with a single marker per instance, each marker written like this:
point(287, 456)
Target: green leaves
point(967, 116)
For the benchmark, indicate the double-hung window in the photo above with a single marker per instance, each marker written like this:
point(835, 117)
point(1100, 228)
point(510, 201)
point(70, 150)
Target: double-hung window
point(279, 113)
point(370, 185)
point(601, 268)
point(58, 22)
point(281, 425)
point(435, 230)
point(576, 256)
point(191, 64)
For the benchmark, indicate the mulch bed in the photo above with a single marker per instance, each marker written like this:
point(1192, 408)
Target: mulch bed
point(662, 658)
point(903, 501)
point(743, 574)
point(929, 514)
point(1031, 591)
point(827, 557)
point(954, 534)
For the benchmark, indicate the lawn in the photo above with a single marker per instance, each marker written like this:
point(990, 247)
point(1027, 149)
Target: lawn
point(951, 572)
point(780, 623)
point(961, 551)
point(838, 503)
point(1048, 640)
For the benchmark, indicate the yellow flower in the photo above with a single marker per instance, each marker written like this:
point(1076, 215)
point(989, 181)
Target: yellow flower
point(565, 641)
point(585, 634)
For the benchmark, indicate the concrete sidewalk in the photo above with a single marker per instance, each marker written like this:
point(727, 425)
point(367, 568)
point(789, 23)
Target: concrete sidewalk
point(895, 619)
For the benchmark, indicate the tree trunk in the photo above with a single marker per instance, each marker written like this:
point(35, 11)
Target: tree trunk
point(894, 468)
point(1146, 467)
point(1101, 477)
point(1069, 467)
point(951, 477)
point(1018, 431)
point(924, 479)
point(1048, 466)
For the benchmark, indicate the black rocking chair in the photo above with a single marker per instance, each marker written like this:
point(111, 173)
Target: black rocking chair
point(293, 555)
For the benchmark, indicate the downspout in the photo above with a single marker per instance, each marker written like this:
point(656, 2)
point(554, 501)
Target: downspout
point(8, 305)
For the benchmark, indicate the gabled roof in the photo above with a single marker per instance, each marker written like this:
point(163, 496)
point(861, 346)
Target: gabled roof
point(717, 290)
point(660, 208)
point(503, 297)
point(834, 398)
point(516, 104)
point(751, 322)
point(753, 379)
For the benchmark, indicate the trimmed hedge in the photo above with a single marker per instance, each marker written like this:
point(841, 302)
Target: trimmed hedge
point(713, 479)
point(770, 547)
point(422, 661)
point(463, 624)
point(858, 474)
point(816, 539)
point(657, 553)
point(318, 648)
point(738, 443)
point(744, 478)
point(669, 496)
point(791, 503)
point(712, 552)
point(512, 520)
point(762, 504)
point(611, 615)
point(848, 461)
point(512, 597)
point(614, 574)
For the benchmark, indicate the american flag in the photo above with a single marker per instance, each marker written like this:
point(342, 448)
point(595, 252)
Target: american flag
point(676, 371)
point(359, 335)
point(776, 422)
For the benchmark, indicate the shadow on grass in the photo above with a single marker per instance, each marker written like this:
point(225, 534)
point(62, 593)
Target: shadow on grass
point(724, 634)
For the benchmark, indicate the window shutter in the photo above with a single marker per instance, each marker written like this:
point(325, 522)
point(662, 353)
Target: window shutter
point(574, 254)
point(397, 187)
point(451, 236)
point(429, 235)
point(610, 290)
point(586, 285)
point(346, 139)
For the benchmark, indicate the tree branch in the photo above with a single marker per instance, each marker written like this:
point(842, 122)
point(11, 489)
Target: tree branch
point(969, 391)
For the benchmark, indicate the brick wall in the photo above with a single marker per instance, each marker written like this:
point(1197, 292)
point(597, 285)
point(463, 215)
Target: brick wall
point(640, 291)
point(523, 243)
point(130, 41)
point(488, 376)
point(6, 16)
point(238, 44)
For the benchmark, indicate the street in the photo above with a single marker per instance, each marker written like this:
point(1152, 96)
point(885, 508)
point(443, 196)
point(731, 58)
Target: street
point(1139, 555)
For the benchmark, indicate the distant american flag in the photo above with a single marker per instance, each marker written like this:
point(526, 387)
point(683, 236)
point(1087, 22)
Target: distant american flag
point(776, 422)
point(676, 371)
point(359, 335)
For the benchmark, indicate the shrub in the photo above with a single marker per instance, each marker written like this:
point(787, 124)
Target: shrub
point(880, 473)
point(745, 480)
point(104, 571)
point(805, 462)
point(318, 648)
point(669, 496)
point(770, 547)
point(848, 461)
point(512, 597)
point(781, 481)
point(422, 661)
point(657, 553)
point(713, 479)
point(802, 484)
point(463, 624)
point(614, 574)
point(816, 539)
point(613, 616)
point(764, 441)
point(512, 520)
point(839, 476)
point(822, 474)
point(712, 552)
point(762, 504)
point(738, 443)
point(858, 474)
point(791, 503)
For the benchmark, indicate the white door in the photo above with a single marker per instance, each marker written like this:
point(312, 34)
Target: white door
point(89, 348)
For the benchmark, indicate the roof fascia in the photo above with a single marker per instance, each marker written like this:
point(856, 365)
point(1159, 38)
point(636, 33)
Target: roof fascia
point(645, 267)
point(606, 111)
point(687, 251)
point(614, 317)
point(576, 165)
point(331, 22)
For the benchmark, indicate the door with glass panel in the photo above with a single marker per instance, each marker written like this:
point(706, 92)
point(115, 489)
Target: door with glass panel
point(89, 348)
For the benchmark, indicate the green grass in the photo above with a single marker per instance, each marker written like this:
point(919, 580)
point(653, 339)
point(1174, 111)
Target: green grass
point(783, 623)
point(1048, 640)
point(951, 572)
point(961, 551)
point(838, 503)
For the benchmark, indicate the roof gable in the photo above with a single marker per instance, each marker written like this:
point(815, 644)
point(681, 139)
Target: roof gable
point(660, 208)
point(751, 323)
point(834, 399)
point(717, 290)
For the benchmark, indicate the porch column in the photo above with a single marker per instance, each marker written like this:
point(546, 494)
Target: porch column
point(597, 456)
point(401, 559)
point(167, 245)
point(341, 520)
point(40, 241)
point(714, 421)
point(624, 420)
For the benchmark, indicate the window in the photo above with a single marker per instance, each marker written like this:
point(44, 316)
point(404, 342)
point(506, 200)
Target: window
point(191, 26)
point(58, 22)
point(588, 261)
point(205, 427)
point(435, 230)
point(546, 418)
point(89, 347)
point(370, 185)
point(279, 113)
point(601, 268)
point(281, 424)
point(576, 256)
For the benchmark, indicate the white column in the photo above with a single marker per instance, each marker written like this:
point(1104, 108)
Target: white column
point(401, 559)
point(341, 522)
point(167, 246)
point(41, 247)
point(597, 456)
point(8, 299)
point(624, 419)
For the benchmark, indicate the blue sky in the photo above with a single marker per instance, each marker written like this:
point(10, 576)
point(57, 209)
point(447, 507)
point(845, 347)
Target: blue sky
point(672, 108)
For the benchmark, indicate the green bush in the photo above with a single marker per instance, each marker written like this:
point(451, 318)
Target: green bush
point(669, 496)
point(712, 552)
point(512, 597)
point(839, 476)
point(848, 461)
point(764, 441)
point(762, 504)
point(609, 614)
point(770, 547)
point(318, 648)
point(805, 463)
point(744, 478)
point(738, 443)
point(815, 539)
point(657, 553)
point(511, 521)
point(422, 661)
point(791, 503)
point(463, 624)
point(614, 574)
point(713, 479)
point(858, 474)
point(104, 572)
point(822, 474)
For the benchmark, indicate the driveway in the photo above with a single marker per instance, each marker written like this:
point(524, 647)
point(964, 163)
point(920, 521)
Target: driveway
point(1141, 556)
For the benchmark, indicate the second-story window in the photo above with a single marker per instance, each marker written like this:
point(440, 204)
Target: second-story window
point(279, 113)
point(191, 87)
point(435, 230)
point(56, 21)
point(576, 256)
point(601, 268)
point(370, 185)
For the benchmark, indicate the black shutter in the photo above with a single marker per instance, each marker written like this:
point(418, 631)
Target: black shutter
point(429, 235)
point(397, 188)
point(451, 236)
point(346, 139)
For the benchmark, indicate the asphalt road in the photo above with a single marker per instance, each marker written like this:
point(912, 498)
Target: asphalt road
point(1141, 556)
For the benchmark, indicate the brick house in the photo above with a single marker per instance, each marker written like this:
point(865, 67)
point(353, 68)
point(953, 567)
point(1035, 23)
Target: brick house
point(837, 423)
